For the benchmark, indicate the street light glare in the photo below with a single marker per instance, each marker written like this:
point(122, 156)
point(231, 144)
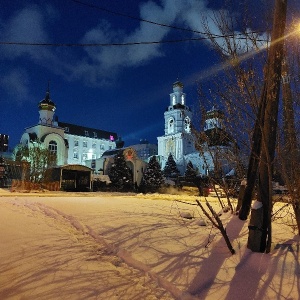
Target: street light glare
point(296, 28)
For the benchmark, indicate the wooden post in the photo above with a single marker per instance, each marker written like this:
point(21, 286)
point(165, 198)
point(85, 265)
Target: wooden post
point(255, 227)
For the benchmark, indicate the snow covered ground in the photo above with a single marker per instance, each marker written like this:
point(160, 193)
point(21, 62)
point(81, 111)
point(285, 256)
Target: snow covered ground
point(137, 247)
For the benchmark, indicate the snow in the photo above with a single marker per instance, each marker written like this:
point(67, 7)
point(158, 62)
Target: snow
point(256, 205)
point(134, 246)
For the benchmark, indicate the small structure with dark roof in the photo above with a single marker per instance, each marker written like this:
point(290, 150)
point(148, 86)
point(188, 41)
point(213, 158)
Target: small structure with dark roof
point(72, 177)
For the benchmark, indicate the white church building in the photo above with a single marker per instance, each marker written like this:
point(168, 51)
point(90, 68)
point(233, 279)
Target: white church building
point(212, 150)
point(209, 151)
point(73, 144)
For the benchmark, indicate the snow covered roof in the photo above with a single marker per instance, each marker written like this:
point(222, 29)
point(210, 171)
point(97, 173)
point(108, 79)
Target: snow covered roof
point(87, 131)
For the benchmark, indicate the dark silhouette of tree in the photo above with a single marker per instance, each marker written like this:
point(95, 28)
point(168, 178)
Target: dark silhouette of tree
point(190, 172)
point(153, 177)
point(258, 98)
point(120, 174)
point(170, 169)
point(288, 149)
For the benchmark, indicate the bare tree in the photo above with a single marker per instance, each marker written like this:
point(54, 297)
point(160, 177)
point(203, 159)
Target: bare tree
point(269, 126)
point(288, 147)
point(39, 158)
point(257, 107)
point(237, 87)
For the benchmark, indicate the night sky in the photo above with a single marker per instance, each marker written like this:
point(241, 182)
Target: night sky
point(124, 89)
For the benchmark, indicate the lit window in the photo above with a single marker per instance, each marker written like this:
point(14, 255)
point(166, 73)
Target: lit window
point(53, 147)
point(84, 144)
point(173, 99)
point(187, 124)
point(182, 99)
point(171, 125)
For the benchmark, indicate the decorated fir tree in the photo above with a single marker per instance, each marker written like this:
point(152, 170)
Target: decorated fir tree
point(152, 177)
point(170, 169)
point(120, 174)
point(190, 172)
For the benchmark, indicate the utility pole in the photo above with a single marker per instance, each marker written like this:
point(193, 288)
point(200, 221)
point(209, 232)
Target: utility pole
point(260, 231)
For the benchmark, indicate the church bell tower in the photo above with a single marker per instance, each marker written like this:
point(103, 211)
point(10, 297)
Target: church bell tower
point(177, 138)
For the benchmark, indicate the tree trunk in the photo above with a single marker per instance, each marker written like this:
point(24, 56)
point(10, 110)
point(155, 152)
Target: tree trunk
point(254, 158)
point(296, 207)
point(269, 130)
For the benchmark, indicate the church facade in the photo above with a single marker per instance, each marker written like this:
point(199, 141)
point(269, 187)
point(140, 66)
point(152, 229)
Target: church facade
point(209, 151)
point(72, 144)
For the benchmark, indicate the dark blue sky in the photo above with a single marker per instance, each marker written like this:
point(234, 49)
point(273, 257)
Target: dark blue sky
point(124, 89)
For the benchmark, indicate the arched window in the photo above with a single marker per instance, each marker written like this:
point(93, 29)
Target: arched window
point(173, 99)
point(182, 99)
point(53, 147)
point(171, 125)
point(187, 124)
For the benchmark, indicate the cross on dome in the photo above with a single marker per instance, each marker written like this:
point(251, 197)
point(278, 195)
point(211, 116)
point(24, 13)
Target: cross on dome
point(47, 103)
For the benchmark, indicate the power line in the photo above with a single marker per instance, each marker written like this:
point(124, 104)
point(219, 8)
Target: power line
point(135, 18)
point(147, 21)
point(116, 44)
point(100, 44)
point(206, 36)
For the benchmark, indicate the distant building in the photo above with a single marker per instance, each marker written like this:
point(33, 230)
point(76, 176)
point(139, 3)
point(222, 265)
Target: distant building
point(4, 142)
point(136, 157)
point(73, 144)
point(213, 152)
point(145, 150)
point(5, 152)
point(102, 165)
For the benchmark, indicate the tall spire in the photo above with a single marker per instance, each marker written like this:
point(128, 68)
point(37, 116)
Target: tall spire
point(48, 90)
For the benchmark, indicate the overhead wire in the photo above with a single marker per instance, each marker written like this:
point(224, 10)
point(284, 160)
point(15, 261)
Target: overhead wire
point(205, 35)
point(106, 44)
point(152, 22)
point(134, 18)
